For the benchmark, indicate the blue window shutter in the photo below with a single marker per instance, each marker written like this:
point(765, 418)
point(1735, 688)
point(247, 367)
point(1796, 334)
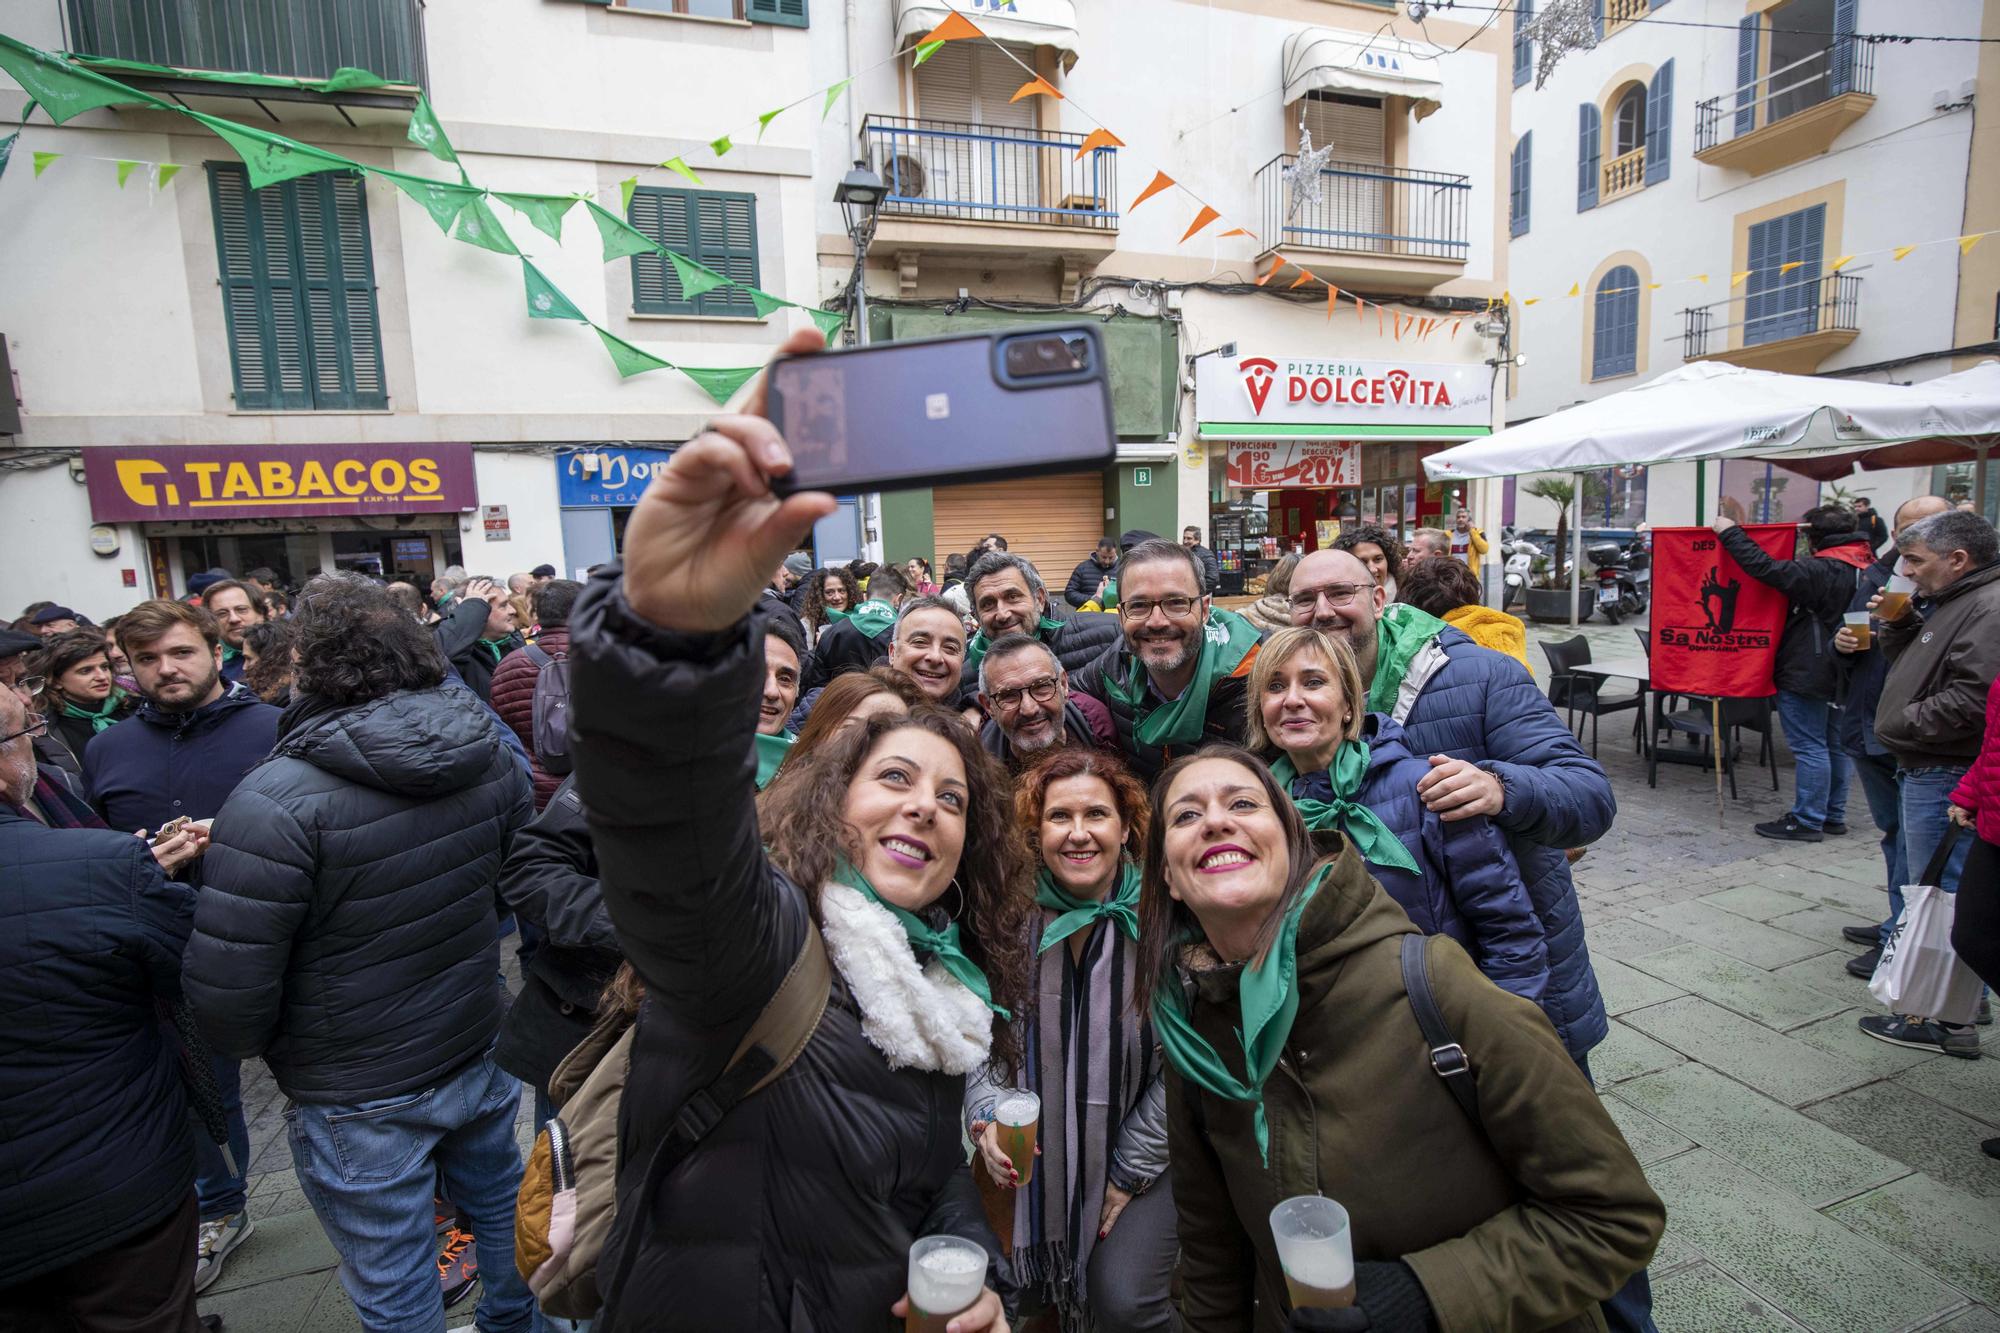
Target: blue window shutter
point(1524, 45)
point(1597, 17)
point(1842, 76)
point(1749, 32)
point(785, 13)
point(1660, 125)
point(1614, 335)
point(1588, 147)
point(1778, 304)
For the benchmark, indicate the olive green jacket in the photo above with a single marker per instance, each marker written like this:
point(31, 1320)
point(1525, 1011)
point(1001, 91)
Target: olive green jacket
point(1525, 1225)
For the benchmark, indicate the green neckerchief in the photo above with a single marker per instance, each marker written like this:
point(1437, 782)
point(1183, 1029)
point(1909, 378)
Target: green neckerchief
point(975, 652)
point(1268, 995)
point(1121, 906)
point(1108, 599)
point(871, 617)
point(494, 646)
point(230, 654)
point(942, 943)
point(101, 716)
point(1226, 640)
point(771, 751)
point(1371, 837)
point(1401, 632)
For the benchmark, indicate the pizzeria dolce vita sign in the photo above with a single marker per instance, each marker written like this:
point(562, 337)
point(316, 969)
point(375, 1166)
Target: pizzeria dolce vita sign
point(133, 485)
point(1308, 398)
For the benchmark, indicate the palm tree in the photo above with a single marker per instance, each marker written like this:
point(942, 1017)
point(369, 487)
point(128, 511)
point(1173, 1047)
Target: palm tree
point(1561, 492)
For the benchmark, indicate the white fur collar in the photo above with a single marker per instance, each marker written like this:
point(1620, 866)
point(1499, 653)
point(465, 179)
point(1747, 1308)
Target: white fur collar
point(920, 1019)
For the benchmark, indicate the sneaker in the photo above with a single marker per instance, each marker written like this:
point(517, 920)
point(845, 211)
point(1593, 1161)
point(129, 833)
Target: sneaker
point(1868, 935)
point(443, 1216)
point(1789, 829)
point(1863, 964)
point(1985, 1015)
point(1991, 1147)
point(219, 1238)
point(1834, 828)
point(458, 1266)
point(211, 1323)
point(1904, 1030)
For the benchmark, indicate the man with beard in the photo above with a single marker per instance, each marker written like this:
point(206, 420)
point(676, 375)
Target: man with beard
point(478, 632)
point(929, 647)
point(182, 754)
point(1025, 695)
point(1087, 579)
point(1008, 597)
point(236, 607)
point(1177, 679)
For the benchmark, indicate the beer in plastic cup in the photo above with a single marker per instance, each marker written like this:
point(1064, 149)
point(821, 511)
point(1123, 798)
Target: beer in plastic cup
point(1857, 625)
point(1019, 1115)
point(1316, 1250)
point(1895, 598)
point(947, 1273)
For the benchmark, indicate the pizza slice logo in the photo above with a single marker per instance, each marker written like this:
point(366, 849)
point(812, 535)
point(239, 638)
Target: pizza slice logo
point(1259, 374)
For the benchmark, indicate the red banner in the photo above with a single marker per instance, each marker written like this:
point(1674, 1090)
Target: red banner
point(1715, 629)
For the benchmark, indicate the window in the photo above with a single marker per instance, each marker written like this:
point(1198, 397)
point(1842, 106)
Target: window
point(970, 82)
point(1781, 299)
point(1660, 124)
point(708, 226)
point(1517, 195)
point(1588, 155)
point(298, 291)
point(1628, 123)
point(1524, 43)
point(1614, 340)
point(713, 9)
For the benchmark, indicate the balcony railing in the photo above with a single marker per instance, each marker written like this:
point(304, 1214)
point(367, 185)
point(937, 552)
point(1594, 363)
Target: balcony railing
point(1825, 303)
point(1618, 13)
point(1623, 174)
point(304, 39)
point(1370, 210)
point(1847, 66)
point(985, 173)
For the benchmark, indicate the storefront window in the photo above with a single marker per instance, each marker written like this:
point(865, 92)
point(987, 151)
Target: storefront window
point(385, 555)
point(294, 555)
point(1768, 494)
point(1954, 481)
point(1615, 498)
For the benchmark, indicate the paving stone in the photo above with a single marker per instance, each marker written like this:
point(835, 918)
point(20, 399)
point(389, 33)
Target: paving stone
point(1812, 1268)
point(1975, 1319)
point(280, 1305)
point(1840, 1036)
point(1626, 988)
point(1951, 1233)
point(1817, 1164)
point(332, 1312)
point(1827, 974)
point(1701, 1298)
point(1757, 902)
point(1728, 933)
point(1823, 924)
point(1928, 1135)
point(1649, 1140)
point(1627, 940)
point(1787, 1070)
point(282, 1245)
point(1627, 1054)
point(1737, 986)
point(1675, 1251)
point(1867, 871)
point(1869, 901)
point(1971, 1086)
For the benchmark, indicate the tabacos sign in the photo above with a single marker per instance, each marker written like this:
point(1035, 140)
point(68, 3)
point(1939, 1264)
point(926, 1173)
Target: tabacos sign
point(1312, 391)
point(131, 485)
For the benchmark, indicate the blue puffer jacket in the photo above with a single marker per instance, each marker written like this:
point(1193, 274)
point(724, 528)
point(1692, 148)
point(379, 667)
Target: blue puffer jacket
point(1467, 884)
point(94, 1143)
point(1483, 707)
point(155, 765)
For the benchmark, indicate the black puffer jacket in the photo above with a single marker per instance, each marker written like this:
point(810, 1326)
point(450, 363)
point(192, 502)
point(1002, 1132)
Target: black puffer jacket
point(797, 1211)
point(1819, 589)
point(1080, 640)
point(347, 928)
point(550, 880)
point(1227, 719)
point(841, 649)
point(1084, 580)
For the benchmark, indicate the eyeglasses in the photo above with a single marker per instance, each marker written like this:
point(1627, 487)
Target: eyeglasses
point(1177, 608)
point(29, 687)
point(1335, 595)
point(1042, 691)
point(34, 728)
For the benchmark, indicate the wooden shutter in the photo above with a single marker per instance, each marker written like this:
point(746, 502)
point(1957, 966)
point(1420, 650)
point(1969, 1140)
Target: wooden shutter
point(1052, 521)
point(1519, 183)
point(260, 293)
point(1749, 31)
point(1356, 127)
point(785, 13)
point(1524, 45)
point(1589, 146)
point(342, 335)
point(1597, 17)
point(1779, 304)
point(714, 228)
point(1842, 77)
point(970, 82)
point(1660, 125)
point(726, 241)
point(1614, 347)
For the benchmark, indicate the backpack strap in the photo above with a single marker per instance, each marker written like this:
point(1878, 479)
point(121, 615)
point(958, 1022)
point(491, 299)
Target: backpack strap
point(536, 655)
point(1447, 1056)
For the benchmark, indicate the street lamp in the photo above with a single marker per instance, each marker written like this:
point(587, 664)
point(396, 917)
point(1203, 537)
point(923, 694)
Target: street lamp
point(859, 195)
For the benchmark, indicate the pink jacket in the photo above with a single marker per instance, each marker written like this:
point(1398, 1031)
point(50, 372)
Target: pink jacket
point(1979, 790)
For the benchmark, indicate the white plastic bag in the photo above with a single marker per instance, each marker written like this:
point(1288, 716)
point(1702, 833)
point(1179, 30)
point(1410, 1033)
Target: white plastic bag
point(1919, 974)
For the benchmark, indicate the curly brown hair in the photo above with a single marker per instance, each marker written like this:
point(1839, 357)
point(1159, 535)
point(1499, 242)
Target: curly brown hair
point(1373, 534)
point(1031, 792)
point(993, 871)
point(813, 609)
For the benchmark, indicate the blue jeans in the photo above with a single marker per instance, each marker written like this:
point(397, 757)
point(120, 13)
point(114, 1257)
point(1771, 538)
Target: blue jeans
point(220, 1190)
point(1812, 729)
point(1885, 806)
point(369, 1171)
point(1926, 794)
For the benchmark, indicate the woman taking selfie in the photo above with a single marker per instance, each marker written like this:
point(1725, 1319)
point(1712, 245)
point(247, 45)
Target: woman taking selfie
point(1093, 1224)
point(1350, 773)
point(796, 1206)
point(78, 693)
point(1297, 1066)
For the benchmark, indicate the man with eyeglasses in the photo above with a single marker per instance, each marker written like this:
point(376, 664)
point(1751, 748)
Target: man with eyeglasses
point(14, 649)
point(1007, 597)
point(1177, 680)
point(1029, 708)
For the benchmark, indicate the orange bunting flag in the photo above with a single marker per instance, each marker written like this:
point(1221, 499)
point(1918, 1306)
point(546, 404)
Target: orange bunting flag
point(1454, 327)
point(1359, 307)
point(1201, 219)
point(1237, 231)
point(1277, 262)
point(1036, 87)
point(1379, 330)
point(1332, 299)
point(954, 29)
point(1161, 181)
point(1305, 276)
point(1099, 139)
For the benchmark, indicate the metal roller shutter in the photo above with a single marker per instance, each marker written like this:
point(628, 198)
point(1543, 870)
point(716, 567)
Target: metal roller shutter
point(1053, 521)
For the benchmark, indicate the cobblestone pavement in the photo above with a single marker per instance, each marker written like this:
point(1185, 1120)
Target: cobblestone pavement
point(1814, 1178)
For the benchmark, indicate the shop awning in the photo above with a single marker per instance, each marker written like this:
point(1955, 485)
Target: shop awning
point(1312, 430)
point(1352, 62)
point(1029, 22)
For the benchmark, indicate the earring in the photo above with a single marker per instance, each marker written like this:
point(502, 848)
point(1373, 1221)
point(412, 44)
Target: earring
point(957, 912)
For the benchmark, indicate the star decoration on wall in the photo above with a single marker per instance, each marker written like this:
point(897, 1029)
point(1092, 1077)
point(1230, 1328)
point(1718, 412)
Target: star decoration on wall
point(1563, 27)
point(1302, 178)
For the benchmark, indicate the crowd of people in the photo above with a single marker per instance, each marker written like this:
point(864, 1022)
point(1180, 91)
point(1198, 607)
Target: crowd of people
point(832, 868)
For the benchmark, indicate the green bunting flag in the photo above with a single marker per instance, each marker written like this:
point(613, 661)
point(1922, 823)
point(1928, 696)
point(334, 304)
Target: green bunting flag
point(345, 79)
point(719, 384)
point(126, 166)
point(544, 301)
point(426, 133)
point(620, 237)
point(625, 189)
point(695, 279)
point(543, 211)
point(763, 122)
point(443, 200)
point(629, 359)
point(168, 170)
point(272, 157)
point(7, 150)
point(766, 303)
point(927, 50)
point(42, 161)
point(720, 147)
point(829, 321)
point(63, 89)
point(833, 95)
point(477, 226)
point(682, 169)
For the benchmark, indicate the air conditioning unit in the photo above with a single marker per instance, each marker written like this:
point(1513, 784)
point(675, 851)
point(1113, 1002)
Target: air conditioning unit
point(907, 176)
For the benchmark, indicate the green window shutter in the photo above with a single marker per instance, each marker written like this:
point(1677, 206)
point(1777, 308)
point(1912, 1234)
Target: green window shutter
point(260, 292)
point(788, 13)
point(726, 241)
point(345, 342)
point(714, 228)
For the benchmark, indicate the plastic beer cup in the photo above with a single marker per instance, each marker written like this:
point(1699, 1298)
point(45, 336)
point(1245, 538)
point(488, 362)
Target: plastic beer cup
point(1019, 1115)
point(947, 1273)
point(1858, 626)
point(1895, 598)
point(1316, 1250)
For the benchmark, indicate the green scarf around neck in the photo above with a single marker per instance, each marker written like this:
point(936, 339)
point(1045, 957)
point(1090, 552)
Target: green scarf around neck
point(495, 646)
point(1401, 632)
point(942, 943)
point(1372, 840)
point(1227, 639)
point(771, 752)
point(102, 716)
point(871, 617)
point(1268, 995)
point(1120, 906)
point(975, 652)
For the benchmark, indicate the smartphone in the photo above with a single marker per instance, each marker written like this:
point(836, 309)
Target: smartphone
point(977, 407)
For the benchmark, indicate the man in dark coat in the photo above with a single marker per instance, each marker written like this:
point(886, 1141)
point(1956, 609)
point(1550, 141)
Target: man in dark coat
point(1007, 597)
point(236, 606)
point(1870, 523)
point(1819, 589)
point(97, 1206)
point(1029, 708)
point(1210, 571)
point(515, 679)
point(347, 932)
point(478, 632)
point(1090, 573)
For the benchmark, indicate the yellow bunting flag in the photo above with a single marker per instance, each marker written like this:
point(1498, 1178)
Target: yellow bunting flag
point(1840, 263)
point(1654, 286)
point(1305, 276)
point(1201, 219)
point(1277, 262)
point(1332, 299)
point(1531, 300)
point(1574, 288)
point(1099, 139)
point(1791, 264)
point(1161, 181)
point(720, 147)
point(1903, 252)
point(680, 168)
point(1737, 279)
point(1965, 243)
point(1036, 87)
point(1701, 278)
point(954, 29)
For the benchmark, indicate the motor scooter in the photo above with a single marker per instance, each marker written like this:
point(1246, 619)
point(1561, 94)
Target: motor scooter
point(1519, 555)
point(1619, 593)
